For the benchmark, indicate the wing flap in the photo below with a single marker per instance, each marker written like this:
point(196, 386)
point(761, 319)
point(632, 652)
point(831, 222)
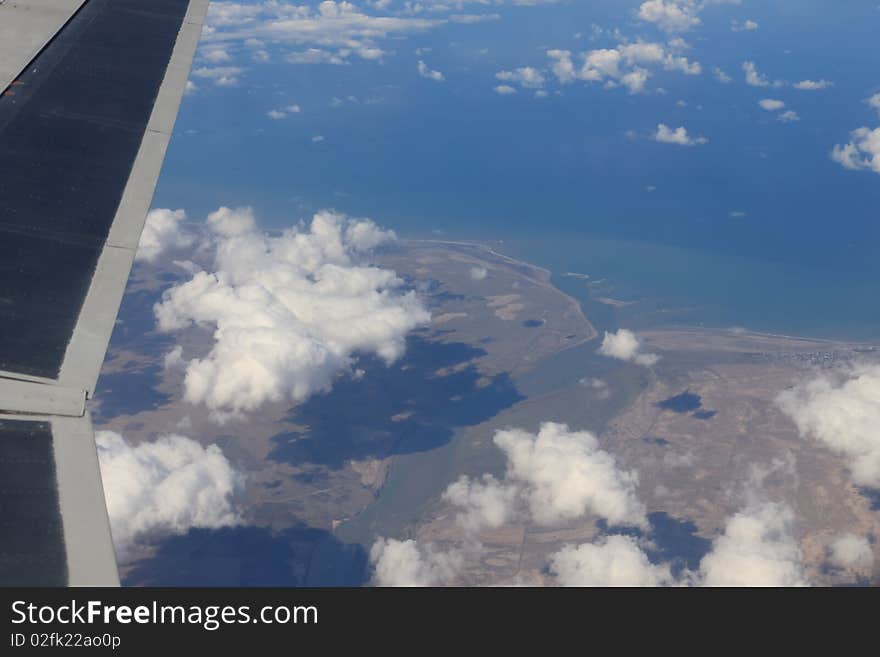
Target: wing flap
point(26, 28)
point(83, 132)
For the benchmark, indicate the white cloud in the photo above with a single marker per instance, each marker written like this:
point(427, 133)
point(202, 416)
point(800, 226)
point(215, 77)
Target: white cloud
point(874, 102)
point(624, 345)
point(163, 233)
point(812, 85)
point(850, 551)
point(316, 56)
point(504, 90)
point(289, 313)
point(471, 19)
point(753, 78)
point(563, 66)
point(670, 15)
point(863, 152)
point(678, 136)
point(167, 486)
point(771, 105)
point(478, 273)
point(628, 64)
point(565, 475)
point(557, 475)
point(527, 76)
point(721, 76)
point(842, 411)
point(614, 561)
point(426, 72)
point(331, 32)
point(405, 563)
point(745, 26)
point(174, 358)
point(552, 477)
point(283, 112)
point(221, 76)
point(599, 387)
point(486, 504)
point(215, 55)
point(757, 548)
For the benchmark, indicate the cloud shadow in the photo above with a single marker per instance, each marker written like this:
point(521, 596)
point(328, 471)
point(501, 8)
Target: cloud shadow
point(414, 405)
point(253, 556)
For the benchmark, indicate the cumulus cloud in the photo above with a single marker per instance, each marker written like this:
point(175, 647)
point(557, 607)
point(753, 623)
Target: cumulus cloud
point(757, 548)
point(812, 85)
point(862, 152)
point(331, 32)
point(289, 313)
point(221, 76)
point(283, 112)
point(842, 411)
point(505, 90)
point(552, 477)
point(679, 136)
point(215, 55)
point(721, 76)
point(426, 72)
point(565, 475)
point(874, 102)
point(486, 503)
point(624, 345)
point(556, 475)
point(628, 64)
point(599, 387)
point(559, 476)
point(754, 78)
point(745, 26)
point(478, 273)
point(771, 105)
point(163, 233)
point(850, 551)
point(670, 15)
point(527, 76)
point(167, 486)
point(613, 561)
point(406, 563)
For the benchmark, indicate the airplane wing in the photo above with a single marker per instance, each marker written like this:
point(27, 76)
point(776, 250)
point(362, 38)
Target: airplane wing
point(89, 92)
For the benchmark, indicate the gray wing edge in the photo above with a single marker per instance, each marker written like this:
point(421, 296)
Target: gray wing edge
point(88, 345)
point(26, 28)
point(89, 549)
point(88, 544)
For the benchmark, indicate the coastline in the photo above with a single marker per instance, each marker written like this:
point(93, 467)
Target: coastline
point(589, 314)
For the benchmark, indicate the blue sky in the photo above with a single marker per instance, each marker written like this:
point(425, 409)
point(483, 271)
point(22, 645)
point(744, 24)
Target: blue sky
point(567, 156)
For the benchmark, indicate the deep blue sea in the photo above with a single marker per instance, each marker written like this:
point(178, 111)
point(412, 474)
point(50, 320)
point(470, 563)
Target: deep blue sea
point(757, 228)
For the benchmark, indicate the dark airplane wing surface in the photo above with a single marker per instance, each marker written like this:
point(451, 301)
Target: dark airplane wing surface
point(89, 92)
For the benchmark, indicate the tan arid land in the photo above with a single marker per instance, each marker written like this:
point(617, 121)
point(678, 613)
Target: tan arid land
point(698, 470)
point(512, 338)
